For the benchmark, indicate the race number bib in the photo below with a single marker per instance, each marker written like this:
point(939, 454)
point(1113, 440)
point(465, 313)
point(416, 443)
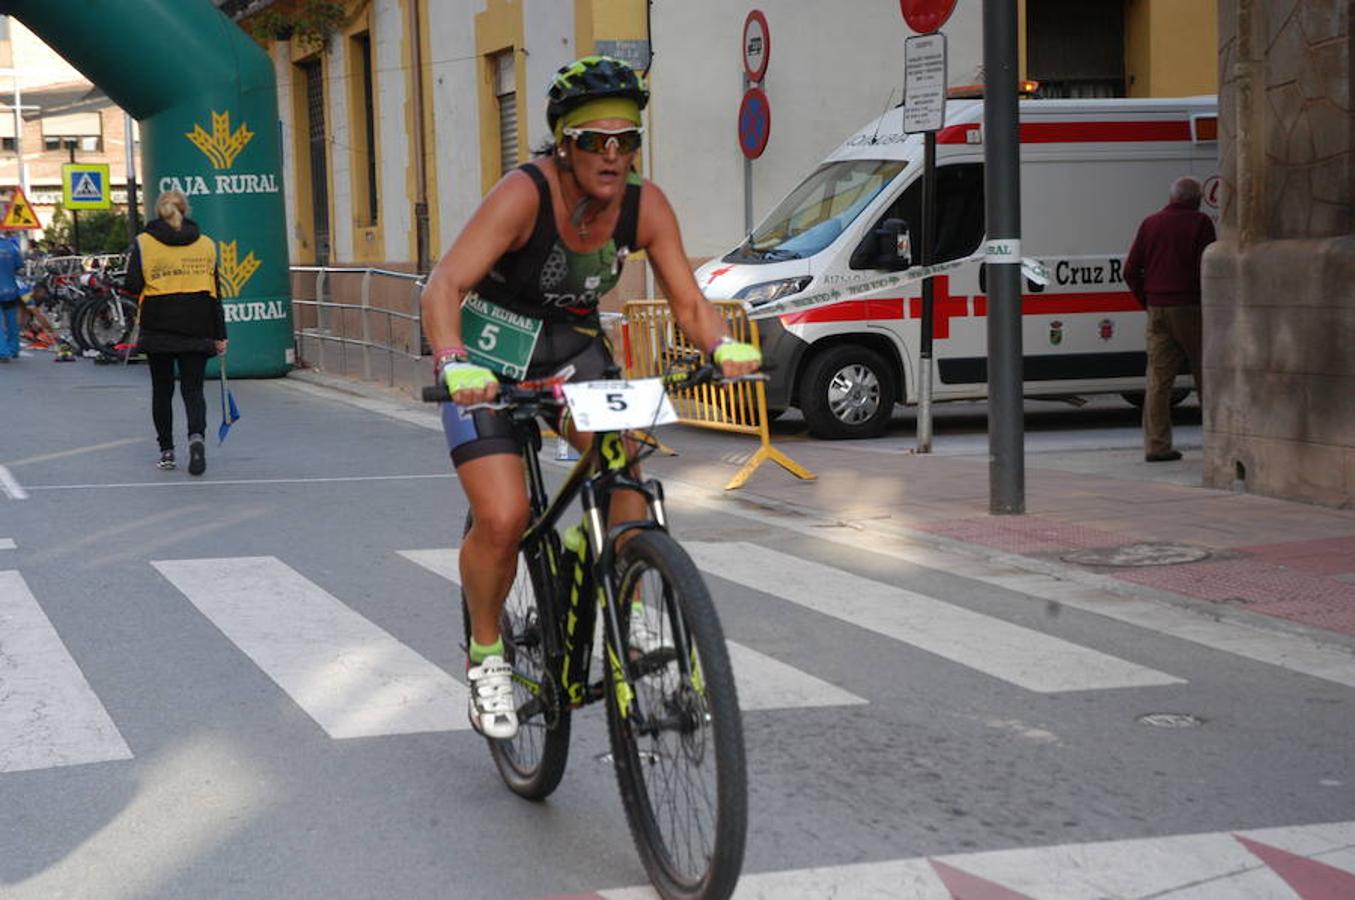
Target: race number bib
point(617, 405)
point(497, 339)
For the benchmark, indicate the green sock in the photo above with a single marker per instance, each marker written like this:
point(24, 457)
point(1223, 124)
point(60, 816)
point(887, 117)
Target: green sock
point(478, 652)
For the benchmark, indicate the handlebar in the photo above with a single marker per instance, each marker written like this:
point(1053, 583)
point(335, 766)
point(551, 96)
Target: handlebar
point(550, 391)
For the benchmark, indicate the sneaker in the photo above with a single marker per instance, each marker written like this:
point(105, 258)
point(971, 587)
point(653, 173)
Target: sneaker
point(197, 456)
point(492, 712)
point(644, 637)
point(166, 460)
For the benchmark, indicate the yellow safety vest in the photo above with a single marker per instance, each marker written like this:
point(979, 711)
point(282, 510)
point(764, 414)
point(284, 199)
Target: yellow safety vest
point(177, 270)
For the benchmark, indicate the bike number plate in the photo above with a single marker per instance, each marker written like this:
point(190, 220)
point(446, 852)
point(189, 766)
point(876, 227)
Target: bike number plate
point(500, 340)
point(617, 405)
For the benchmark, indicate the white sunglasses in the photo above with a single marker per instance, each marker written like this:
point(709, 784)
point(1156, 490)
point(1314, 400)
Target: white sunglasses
point(600, 140)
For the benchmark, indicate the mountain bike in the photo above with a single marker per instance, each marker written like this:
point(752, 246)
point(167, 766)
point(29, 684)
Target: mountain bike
point(673, 717)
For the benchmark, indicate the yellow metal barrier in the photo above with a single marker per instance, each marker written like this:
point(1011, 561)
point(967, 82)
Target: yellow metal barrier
point(652, 344)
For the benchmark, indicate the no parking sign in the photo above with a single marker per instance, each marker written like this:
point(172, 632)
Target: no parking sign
point(755, 123)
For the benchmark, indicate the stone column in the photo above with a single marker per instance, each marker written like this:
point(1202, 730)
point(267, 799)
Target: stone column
point(1279, 285)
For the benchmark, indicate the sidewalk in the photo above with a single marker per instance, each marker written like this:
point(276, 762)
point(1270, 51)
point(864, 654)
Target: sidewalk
point(1085, 510)
point(1088, 511)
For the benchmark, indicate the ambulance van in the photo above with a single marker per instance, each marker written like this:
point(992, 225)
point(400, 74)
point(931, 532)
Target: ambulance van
point(1090, 171)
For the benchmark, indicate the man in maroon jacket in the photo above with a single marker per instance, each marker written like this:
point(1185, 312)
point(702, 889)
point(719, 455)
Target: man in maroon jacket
point(1163, 271)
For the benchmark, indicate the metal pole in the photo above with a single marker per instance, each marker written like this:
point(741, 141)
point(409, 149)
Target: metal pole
point(924, 363)
point(19, 151)
point(132, 219)
point(421, 236)
point(1002, 189)
point(75, 213)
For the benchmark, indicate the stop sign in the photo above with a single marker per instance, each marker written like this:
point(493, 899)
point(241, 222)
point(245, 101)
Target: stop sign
point(926, 16)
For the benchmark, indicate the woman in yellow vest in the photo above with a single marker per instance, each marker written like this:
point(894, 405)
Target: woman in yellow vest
point(172, 266)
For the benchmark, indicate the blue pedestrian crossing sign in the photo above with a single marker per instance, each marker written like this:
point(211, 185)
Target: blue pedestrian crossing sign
point(86, 186)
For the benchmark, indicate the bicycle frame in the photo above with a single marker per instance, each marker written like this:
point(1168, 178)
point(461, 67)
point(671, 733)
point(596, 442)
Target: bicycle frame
point(602, 469)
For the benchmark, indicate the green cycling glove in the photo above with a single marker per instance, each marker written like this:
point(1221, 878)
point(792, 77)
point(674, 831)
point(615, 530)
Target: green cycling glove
point(465, 376)
point(736, 352)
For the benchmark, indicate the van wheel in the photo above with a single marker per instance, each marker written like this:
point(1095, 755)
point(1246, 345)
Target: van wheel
point(847, 392)
point(1135, 398)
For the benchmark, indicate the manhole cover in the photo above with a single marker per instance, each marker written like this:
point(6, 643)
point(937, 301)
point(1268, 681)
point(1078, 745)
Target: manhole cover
point(1138, 555)
point(1169, 720)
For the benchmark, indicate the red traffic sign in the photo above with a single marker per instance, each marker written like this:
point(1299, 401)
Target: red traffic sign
point(755, 123)
point(926, 16)
point(757, 45)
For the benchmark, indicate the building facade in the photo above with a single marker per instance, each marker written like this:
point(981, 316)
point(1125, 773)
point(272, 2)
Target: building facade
point(373, 152)
point(1279, 311)
point(64, 118)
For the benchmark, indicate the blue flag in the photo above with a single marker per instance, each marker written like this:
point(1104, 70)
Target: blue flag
point(230, 413)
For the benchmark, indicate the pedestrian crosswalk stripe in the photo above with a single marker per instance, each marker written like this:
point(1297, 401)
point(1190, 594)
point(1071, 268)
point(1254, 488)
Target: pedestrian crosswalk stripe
point(1320, 862)
point(761, 681)
point(49, 714)
point(349, 675)
point(1021, 656)
point(6, 543)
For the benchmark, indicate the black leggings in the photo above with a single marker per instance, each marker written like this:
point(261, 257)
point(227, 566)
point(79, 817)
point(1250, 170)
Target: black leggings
point(191, 369)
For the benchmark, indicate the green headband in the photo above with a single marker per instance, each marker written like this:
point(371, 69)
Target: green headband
point(601, 108)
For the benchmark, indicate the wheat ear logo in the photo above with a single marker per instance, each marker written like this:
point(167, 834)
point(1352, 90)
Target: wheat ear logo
point(221, 146)
point(234, 271)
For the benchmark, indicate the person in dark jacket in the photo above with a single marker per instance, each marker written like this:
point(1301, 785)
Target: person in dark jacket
point(172, 267)
point(1163, 271)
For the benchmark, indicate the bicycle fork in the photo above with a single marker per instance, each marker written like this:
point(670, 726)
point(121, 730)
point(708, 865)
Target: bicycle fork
point(601, 542)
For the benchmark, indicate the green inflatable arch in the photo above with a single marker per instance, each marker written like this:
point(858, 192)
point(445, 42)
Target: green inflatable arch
point(206, 99)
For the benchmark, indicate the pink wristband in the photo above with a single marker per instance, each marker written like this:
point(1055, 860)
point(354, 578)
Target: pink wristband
point(448, 354)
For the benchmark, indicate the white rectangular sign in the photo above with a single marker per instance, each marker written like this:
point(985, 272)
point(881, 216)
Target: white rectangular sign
point(617, 405)
point(924, 83)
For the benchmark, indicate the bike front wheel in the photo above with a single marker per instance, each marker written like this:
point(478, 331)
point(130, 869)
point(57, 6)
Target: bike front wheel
point(677, 741)
point(533, 761)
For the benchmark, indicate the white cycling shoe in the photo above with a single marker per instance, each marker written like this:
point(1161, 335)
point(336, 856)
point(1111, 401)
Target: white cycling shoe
point(644, 637)
point(492, 712)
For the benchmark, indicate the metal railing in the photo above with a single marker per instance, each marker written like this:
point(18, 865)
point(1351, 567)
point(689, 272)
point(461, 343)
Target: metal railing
point(324, 322)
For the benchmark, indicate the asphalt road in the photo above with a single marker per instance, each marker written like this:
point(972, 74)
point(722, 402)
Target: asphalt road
point(165, 732)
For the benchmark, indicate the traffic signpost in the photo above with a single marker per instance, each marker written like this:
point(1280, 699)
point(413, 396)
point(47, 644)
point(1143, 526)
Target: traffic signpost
point(86, 186)
point(19, 215)
point(926, 16)
point(924, 111)
point(757, 46)
point(755, 122)
point(755, 110)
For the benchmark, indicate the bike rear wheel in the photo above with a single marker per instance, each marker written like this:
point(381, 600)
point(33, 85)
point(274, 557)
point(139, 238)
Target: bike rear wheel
point(678, 746)
point(533, 761)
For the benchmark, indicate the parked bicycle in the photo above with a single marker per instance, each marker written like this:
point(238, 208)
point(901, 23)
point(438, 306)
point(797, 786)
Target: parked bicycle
point(83, 300)
point(673, 716)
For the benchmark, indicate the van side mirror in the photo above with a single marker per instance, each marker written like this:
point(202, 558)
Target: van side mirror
point(893, 245)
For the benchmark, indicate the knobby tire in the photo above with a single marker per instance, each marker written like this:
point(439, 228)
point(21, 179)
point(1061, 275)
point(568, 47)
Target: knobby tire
point(705, 752)
point(533, 762)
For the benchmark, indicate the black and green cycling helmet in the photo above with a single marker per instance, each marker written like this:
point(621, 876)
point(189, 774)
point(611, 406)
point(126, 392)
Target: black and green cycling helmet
point(592, 78)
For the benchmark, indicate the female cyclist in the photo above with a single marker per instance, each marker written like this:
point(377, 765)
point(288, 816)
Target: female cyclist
point(546, 244)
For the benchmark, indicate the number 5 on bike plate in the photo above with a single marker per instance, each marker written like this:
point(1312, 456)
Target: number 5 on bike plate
point(617, 405)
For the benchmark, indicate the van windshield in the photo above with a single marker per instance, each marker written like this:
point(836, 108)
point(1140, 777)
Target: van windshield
point(817, 211)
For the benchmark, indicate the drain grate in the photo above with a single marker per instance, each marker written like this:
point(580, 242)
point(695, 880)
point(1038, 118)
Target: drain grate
point(1138, 555)
point(1169, 720)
